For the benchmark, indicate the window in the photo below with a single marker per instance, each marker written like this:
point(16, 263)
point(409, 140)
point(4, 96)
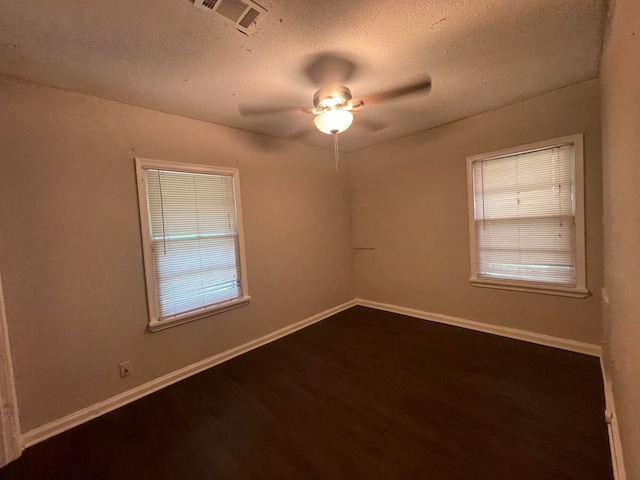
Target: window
point(526, 212)
point(192, 241)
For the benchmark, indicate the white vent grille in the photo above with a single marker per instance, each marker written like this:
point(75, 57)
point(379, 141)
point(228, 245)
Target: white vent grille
point(245, 15)
point(209, 3)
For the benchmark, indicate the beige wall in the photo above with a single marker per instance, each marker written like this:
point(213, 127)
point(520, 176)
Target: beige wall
point(621, 148)
point(70, 248)
point(409, 203)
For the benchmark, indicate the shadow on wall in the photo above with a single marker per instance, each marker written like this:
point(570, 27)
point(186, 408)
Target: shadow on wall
point(260, 143)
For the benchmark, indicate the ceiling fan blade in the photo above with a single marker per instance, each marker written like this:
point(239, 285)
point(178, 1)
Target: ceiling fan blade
point(250, 110)
point(329, 68)
point(300, 135)
point(378, 97)
point(371, 125)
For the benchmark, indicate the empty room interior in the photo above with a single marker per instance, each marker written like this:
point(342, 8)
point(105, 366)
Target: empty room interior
point(294, 239)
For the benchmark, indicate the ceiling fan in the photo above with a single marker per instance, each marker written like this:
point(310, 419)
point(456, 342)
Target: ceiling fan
point(333, 103)
point(333, 106)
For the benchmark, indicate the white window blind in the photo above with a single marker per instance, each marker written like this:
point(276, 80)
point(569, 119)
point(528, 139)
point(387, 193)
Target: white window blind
point(524, 214)
point(192, 239)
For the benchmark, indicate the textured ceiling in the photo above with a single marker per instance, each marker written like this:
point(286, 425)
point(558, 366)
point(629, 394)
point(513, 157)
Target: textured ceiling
point(170, 56)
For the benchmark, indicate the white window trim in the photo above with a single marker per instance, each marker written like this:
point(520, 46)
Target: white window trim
point(580, 290)
point(155, 324)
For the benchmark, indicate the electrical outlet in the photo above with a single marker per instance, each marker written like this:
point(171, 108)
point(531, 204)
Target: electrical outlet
point(125, 369)
point(336, 289)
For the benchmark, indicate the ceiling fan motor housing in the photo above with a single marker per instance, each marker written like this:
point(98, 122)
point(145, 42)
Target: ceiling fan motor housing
point(328, 98)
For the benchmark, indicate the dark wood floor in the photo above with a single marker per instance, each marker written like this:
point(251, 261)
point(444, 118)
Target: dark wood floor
point(362, 395)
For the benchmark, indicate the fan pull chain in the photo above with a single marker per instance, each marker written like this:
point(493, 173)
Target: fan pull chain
point(336, 152)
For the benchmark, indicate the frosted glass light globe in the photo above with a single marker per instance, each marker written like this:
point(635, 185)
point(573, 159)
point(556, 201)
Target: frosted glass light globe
point(333, 121)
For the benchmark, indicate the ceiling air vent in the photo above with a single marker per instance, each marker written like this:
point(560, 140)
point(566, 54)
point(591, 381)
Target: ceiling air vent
point(245, 15)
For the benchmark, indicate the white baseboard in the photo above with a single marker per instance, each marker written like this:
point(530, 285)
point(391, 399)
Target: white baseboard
point(58, 426)
point(48, 430)
point(539, 338)
point(615, 443)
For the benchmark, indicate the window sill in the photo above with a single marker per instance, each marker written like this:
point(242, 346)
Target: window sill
point(158, 325)
point(531, 288)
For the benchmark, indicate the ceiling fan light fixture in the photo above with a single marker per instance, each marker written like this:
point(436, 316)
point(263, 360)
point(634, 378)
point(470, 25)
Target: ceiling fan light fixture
point(333, 121)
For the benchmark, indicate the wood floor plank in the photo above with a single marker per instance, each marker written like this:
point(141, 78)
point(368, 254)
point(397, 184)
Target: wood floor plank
point(364, 394)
